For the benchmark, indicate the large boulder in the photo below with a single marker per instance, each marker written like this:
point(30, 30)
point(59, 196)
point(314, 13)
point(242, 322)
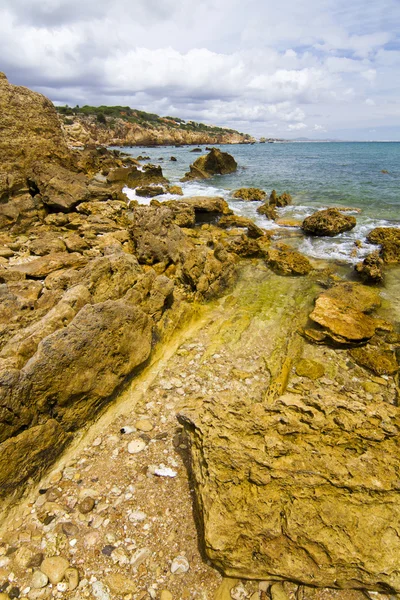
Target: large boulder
point(213, 163)
point(303, 488)
point(328, 222)
point(370, 269)
point(60, 188)
point(31, 130)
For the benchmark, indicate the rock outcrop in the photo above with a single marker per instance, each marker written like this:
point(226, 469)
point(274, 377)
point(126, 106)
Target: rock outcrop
point(213, 163)
point(286, 261)
point(299, 488)
point(389, 240)
point(250, 194)
point(342, 314)
point(370, 269)
point(328, 222)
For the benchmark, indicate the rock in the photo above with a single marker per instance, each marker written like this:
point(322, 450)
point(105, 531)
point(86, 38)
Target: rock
point(380, 361)
point(149, 191)
point(86, 505)
point(47, 244)
point(389, 239)
point(252, 194)
point(60, 188)
point(100, 591)
point(39, 580)
point(288, 222)
point(309, 368)
point(70, 529)
point(342, 313)
point(253, 230)
point(66, 370)
point(179, 565)
point(173, 159)
point(279, 201)
point(196, 150)
point(213, 163)
point(139, 557)
point(277, 592)
point(29, 453)
point(307, 509)
point(136, 446)
point(175, 190)
point(144, 425)
point(120, 584)
point(370, 269)
point(268, 211)
point(39, 268)
point(55, 568)
point(328, 222)
point(166, 595)
point(286, 261)
point(224, 590)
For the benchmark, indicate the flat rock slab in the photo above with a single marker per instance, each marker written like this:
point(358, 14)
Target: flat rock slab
point(300, 488)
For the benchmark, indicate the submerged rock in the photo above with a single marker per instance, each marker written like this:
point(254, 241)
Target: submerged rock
point(281, 495)
point(213, 163)
point(328, 222)
point(286, 261)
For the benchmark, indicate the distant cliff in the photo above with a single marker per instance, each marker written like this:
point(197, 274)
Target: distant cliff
point(124, 126)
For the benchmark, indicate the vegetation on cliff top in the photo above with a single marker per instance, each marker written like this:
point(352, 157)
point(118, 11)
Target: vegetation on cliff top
point(106, 115)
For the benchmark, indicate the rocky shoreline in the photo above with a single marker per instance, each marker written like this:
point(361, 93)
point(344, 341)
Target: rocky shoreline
point(286, 389)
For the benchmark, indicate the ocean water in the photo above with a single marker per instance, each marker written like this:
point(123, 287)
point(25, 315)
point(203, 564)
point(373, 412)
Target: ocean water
point(317, 175)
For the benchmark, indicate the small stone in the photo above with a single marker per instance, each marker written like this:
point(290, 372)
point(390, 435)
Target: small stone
point(23, 556)
point(100, 591)
point(180, 564)
point(119, 556)
point(107, 550)
point(166, 595)
point(62, 587)
point(52, 494)
point(137, 515)
point(72, 578)
point(87, 505)
point(36, 560)
point(139, 557)
point(144, 425)
point(70, 529)
point(239, 592)
point(277, 592)
point(136, 446)
point(54, 567)
point(120, 584)
point(97, 442)
point(14, 593)
point(39, 580)
point(91, 539)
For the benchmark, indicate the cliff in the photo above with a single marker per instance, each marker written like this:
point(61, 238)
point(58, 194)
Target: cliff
point(124, 126)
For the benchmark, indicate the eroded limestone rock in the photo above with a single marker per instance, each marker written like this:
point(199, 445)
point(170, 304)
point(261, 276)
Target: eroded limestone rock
point(213, 163)
point(328, 222)
point(299, 488)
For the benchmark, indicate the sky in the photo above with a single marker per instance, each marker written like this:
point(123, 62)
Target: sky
point(285, 69)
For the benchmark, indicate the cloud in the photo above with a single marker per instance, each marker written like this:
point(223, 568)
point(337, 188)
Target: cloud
point(326, 61)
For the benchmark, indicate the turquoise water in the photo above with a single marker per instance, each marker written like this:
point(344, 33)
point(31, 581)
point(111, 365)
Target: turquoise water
point(317, 175)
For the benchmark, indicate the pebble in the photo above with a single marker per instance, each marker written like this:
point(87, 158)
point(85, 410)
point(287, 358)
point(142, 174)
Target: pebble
point(165, 472)
point(87, 505)
point(239, 592)
point(137, 515)
point(136, 446)
point(166, 595)
point(62, 587)
point(144, 425)
point(72, 577)
point(54, 567)
point(180, 564)
point(70, 529)
point(127, 429)
point(100, 591)
point(39, 580)
point(139, 557)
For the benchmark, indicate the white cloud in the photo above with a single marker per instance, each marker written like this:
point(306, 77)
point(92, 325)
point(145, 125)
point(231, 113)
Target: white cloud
point(218, 60)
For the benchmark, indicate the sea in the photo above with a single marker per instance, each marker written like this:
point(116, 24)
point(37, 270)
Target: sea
point(361, 176)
